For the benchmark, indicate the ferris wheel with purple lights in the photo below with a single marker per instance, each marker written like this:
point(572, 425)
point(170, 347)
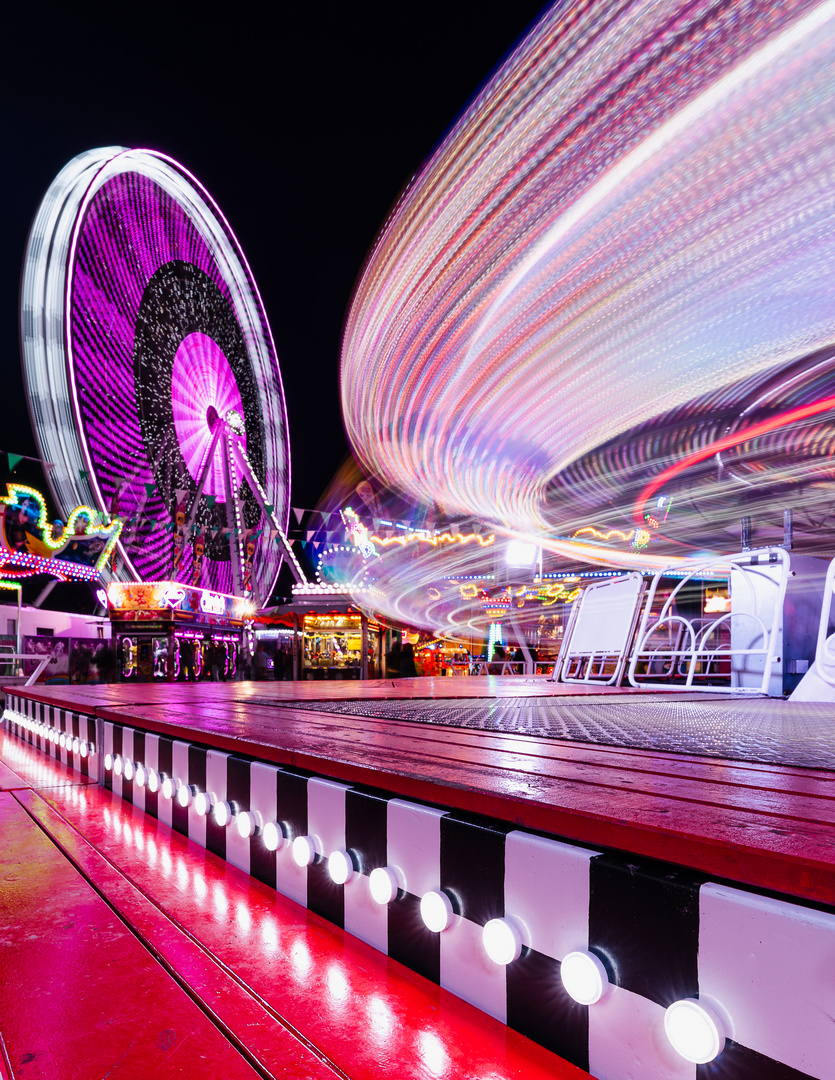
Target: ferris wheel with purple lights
point(153, 382)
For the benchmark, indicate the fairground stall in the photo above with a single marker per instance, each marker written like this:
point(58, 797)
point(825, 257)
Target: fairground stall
point(156, 624)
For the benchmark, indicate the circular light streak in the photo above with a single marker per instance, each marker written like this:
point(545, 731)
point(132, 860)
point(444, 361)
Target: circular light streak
point(694, 1030)
point(616, 230)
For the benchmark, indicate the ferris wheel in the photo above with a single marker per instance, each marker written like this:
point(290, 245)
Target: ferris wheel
point(152, 378)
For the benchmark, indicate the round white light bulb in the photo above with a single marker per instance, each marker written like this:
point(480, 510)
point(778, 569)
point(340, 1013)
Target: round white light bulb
point(249, 823)
point(169, 787)
point(502, 941)
point(383, 884)
point(154, 779)
point(108, 762)
point(272, 836)
point(127, 769)
point(117, 765)
point(304, 850)
point(75, 746)
point(204, 801)
point(584, 977)
point(694, 1030)
point(83, 749)
point(185, 793)
point(223, 812)
point(436, 910)
point(340, 867)
point(62, 740)
point(140, 776)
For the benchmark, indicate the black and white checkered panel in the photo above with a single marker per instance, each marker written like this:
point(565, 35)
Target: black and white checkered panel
point(663, 933)
point(53, 723)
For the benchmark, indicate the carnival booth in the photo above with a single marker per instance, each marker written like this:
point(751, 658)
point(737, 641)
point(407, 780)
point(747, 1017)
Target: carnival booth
point(156, 625)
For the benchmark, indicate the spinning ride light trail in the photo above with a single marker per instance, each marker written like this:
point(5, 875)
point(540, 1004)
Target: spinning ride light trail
point(151, 372)
point(635, 218)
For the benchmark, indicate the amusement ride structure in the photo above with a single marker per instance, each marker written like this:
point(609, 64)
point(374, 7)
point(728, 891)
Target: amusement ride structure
point(153, 382)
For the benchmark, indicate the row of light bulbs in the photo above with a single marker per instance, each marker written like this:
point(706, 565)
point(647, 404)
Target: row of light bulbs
point(693, 1028)
point(52, 734)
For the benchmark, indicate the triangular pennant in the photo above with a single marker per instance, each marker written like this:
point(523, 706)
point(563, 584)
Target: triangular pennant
point(299, 513)
point(180, 494)
point(82, 474)
point(14, 461)
point(48, 466)
point(210, 500)
point(269, 508)
point(150, 489)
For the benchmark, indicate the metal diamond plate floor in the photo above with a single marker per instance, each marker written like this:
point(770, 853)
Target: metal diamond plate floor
point(758, 730)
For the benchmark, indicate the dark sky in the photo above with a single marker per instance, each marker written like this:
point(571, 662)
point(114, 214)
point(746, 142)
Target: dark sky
point(303, 123)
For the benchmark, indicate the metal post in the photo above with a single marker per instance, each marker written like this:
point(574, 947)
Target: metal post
point(296, 664)
point(746, 534)
point(19, 606)
point(788, 529)
point(363, 646)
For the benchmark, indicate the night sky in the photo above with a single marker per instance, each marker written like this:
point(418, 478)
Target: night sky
point(304, 124)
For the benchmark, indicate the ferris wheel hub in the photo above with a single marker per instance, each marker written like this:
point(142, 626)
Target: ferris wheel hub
point(212, 417)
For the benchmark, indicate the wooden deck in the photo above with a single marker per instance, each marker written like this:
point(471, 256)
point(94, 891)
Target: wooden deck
point(767, 826)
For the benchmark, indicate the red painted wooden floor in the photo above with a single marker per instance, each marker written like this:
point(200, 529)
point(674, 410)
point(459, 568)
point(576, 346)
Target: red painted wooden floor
point(763, 825)
point(130, 952)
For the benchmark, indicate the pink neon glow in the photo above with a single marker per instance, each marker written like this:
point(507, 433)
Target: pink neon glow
point(202, 380)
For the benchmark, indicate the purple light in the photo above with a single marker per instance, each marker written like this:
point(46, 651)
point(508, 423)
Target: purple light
point(202, 381)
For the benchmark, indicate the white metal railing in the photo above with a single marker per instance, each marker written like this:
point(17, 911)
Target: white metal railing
point(596, 642)
point(12, 658)
point(738, 649)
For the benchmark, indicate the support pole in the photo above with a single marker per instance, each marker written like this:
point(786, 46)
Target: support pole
point(363, 646)
point(296, 664)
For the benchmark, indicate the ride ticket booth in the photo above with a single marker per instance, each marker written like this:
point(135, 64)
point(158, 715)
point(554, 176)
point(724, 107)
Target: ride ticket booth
point(151, 621)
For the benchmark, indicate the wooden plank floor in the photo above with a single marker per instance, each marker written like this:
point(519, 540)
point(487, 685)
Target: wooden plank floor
point(763, 825)
point(130, 951)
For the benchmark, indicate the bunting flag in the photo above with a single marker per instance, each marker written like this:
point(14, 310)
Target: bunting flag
point(150, 489)
point(210, 500)
point(14, 461)
point(269, 508)
point(180, 495)
point(82, 474)
point(298, 512)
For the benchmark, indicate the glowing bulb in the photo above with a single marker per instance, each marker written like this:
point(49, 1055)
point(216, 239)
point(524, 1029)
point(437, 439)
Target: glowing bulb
point(63, 742)
point(273, 836)
point(140, 775)
point(694, 1030)
point(304, 850)
point(154, 779)
point(127, 769)
point(249, 823)
point(75, 746)
point(117, 765)
point(223, 812)
point(169, 787)
point(204, 801)
point(436, 910)
point(383, 884)
point(340, 867)
point(584, 977)
point(185, 793)
point(502, 940)
point(83, 749)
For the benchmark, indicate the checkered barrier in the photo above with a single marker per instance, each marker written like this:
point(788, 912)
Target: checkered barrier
point(765, 966)
point(69, 737)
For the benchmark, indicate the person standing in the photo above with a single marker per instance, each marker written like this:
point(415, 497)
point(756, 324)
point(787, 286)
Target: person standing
point(187, 660)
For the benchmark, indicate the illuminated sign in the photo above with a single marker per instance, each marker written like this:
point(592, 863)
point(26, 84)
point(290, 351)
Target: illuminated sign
point(212, 603)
